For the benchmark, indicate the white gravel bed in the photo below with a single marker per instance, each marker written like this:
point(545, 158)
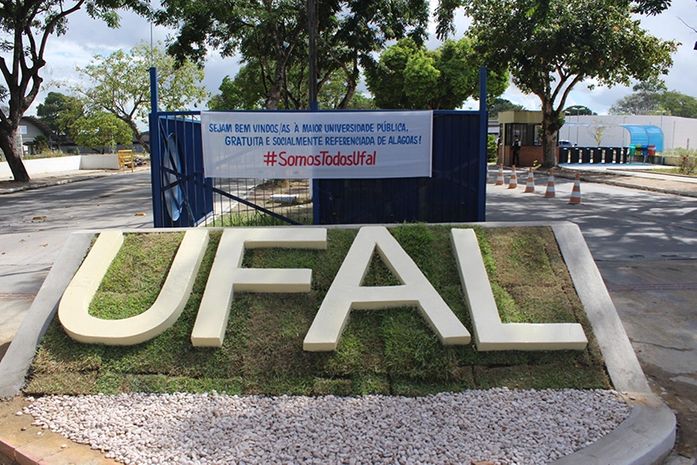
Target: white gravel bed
point(523, 427)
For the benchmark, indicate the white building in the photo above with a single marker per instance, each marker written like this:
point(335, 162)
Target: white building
point(607, 130)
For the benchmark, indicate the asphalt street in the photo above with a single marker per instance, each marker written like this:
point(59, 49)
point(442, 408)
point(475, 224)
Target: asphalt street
point(34, 225)
point(644, 243)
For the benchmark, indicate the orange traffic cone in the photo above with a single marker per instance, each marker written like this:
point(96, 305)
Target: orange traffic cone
point(513, 183)
point(499, 176)
point(549, 193)
point(576, 192)
point(530, 184)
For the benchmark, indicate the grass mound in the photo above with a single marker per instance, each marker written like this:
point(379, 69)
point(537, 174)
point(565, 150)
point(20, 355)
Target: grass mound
point(386, 352)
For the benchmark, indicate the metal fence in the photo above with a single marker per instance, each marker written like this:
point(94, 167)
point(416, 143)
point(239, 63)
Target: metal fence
point(454, 193)
point(183, 196)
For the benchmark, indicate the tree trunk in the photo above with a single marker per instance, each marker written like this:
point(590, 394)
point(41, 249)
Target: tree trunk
point(550, 126)
point(138, 135)
point(9, 147)
point(549, 147)
point(350, 92)
point(351, 85)
point(274, 96)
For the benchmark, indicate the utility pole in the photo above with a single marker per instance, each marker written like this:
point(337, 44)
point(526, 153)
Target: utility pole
point(312, 45)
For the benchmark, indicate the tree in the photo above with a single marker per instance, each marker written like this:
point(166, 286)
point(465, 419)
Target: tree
point(245, 92)
point(272, 37)
point(498, 104)
point(645, 100)
point(649, 7)
point(409, 76)
point(558, 44)
point(578, 110)
point(40, 144)
point(361, 101)
point(653, 98)
point(59, 112)
point(25, 29)
point(638, 103)
point(100, 131)
point(678, 104)
point(598, 133)
point(120, 84)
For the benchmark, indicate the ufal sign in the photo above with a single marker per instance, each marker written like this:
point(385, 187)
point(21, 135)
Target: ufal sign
point(345, 294)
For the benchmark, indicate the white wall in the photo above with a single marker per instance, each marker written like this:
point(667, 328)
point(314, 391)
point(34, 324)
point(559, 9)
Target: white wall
point(677, 131)
point(69, 163)
point(108, 161)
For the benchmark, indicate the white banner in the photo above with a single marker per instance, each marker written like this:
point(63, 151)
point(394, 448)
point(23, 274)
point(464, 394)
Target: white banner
point(317, 145)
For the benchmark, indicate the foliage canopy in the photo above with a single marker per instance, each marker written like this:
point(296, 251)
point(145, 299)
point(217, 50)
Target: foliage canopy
point(407, 76)
point(100, 131)
point(246, 92)
point(272, 37)
point(120, 84)
point(25, 29)
point(59, 112)
point(498, 104)
point(652, 99)
point(550, 46)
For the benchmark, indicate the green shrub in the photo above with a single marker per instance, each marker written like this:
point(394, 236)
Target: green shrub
point(688, 160)
point(40, 143)
point(491, 148)
point(688, 165)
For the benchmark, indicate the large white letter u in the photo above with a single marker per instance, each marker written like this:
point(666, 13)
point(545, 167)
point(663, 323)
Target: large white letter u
point(73, 311)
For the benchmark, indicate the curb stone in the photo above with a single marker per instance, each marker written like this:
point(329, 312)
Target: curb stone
point(57, 182)
point(15, 364)
point(66, 179)
point(646, 437)
point(610, 182)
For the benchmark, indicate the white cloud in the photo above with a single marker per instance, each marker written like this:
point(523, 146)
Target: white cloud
point(667, 26)
point(87, 37)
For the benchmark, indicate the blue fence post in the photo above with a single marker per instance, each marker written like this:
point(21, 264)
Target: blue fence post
point(483, 129)
point(155, 161)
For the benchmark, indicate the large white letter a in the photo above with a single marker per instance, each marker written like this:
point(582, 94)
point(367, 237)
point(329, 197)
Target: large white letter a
point(346, 293)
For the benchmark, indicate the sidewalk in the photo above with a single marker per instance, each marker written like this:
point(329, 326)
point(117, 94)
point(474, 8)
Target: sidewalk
point(8, 186)
point(51, 447)
point(655, 182)
point(630, 178)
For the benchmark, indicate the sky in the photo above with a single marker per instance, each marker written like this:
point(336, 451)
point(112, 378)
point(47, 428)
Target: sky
point(87, 37)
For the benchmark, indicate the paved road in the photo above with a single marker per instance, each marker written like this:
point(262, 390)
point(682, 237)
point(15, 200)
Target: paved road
point(645, 245)
point(34, 225)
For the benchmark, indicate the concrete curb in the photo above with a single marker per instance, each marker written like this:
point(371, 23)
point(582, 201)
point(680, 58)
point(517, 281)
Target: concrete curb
point(69, 179)
point(22, 443)
point(58, 182)
point(645, 438)
point(18, 358)
point(648, 435)
point(610, 182)
point(622, 363)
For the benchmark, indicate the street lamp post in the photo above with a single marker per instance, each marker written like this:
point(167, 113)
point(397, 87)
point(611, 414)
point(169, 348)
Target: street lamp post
point(312, 46)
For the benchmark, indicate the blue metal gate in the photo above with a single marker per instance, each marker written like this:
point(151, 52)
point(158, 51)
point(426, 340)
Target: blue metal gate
point(454, 193)
point(183, 196)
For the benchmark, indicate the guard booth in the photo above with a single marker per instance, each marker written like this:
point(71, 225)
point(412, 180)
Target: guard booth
point(527, 126)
